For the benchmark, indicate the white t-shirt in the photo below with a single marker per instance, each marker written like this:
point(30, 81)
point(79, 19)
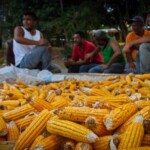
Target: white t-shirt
point(20, 50)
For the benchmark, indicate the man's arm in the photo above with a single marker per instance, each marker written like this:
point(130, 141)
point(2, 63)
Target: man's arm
point(115, 47)
point(19, 37)
point(90, 56)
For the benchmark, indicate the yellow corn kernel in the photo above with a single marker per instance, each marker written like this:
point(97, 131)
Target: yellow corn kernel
point(139, 148)
point(24, 122)
point(107, 142)
point(114, 85)
point(143, 76)
point(71, 130)
point(36, 141)
point(3, 127)
point(60, 102)
point(13, 131)
point(119, 115)
point(133, 136)
point(97, 127)
point(18, 113)
point(79, 114)
point(142, 103)
point(39, 104)
point(52, 142)
point(145, 112)
point(33, 130)
point(13, 103)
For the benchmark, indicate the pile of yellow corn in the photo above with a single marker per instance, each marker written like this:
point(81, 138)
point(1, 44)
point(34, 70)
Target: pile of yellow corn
point(77, 115)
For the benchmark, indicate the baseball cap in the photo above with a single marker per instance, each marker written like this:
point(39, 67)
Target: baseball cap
point(137, 19)
point(99, 34)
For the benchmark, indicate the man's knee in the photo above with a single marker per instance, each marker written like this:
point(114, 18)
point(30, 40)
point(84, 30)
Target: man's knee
point(144, 47)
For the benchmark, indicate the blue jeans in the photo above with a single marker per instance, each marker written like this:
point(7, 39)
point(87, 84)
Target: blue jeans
point(80, 68)
point(143, 58)
point(114, 68)
point(38, 58)
point(131, 70)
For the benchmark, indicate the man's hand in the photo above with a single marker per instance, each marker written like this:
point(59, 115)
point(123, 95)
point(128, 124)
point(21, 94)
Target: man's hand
point(43, 42)
point(68, 62)
point(89, 57)
point(105, 66)
point(127, 47)
point(132, 65)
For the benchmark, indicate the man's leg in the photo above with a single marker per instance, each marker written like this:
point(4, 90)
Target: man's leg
point(86, 68)
point(144, 58)
point(39, 55)
point(73, 69)
point(96, 69)
point(35, 57)
point(115, 68)
point(130, 70)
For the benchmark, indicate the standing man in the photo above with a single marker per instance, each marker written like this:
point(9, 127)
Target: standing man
point(80, 49)
point(112, 55)
point(29, 46)
point(131, 49)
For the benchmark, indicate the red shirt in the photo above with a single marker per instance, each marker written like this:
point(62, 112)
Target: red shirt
point(88, 47)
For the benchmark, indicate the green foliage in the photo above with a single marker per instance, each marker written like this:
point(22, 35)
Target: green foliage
point(67, 51)
point(56, 20)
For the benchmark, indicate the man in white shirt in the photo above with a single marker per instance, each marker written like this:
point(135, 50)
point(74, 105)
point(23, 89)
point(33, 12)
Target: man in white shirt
point(29, 46)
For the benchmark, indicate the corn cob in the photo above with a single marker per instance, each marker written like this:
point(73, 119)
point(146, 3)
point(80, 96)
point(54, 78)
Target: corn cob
point(60, 102)
point(13, 103)
point(52, 142)
point(50, 97)
point(129, 78)
point(144, 91)
point(24, 122)
point(143, 76)
point(145, 112)
point(133, 136)
point(83, 146)
point(119, 115)
point(139, 148)
point(142, 103)
point(114, 85)
point(107, 143)
point(36, 141)
point(39, 104)
point(3, 127)
point(13, 131)
point(79, 114)
point(94, 92)
point(97, 127)
point(33, 130)
point(18, 112)
point(69, 145)
point(147, 125)
point(5, 85)
point(71, 130)
point(146, 140)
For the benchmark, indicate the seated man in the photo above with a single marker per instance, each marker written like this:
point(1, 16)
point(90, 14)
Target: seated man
point(80, 49)
point(143, 55)
point(137, 24)
point(29, 46)
point(113, 58)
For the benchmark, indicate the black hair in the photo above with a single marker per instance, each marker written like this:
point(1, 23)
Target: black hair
point(32, 14)
point(82, 35)
point(101, 35)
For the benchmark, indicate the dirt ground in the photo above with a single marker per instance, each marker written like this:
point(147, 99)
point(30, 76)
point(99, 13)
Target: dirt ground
point(57, 58)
